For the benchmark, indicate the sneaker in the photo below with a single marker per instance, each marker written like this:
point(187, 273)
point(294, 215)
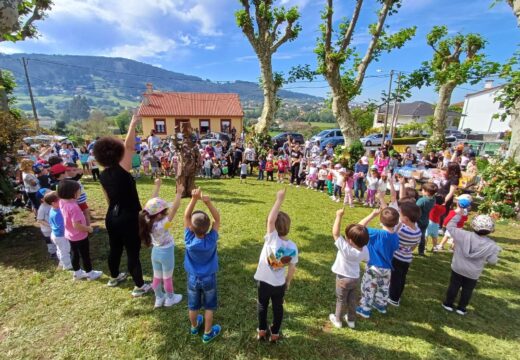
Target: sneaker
point(94, 274)
point(351, 324)
point(333, 198)
point(261, 335)
point(381, 309)
point(393, 303)
point(447, 307)
point(337, 200)
point(79, 275)
point(363, 313)
point(461, 312)
point(140, 291)
point(435, 249)
point(334, 321)
point(115, 281)
point(196, 330)
point(159, 302)
point(297, 186)
point(172, 300)
point(215, 331)
point(274, 338)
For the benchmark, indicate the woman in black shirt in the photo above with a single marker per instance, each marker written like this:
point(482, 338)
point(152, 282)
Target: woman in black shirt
point(452, 175)
point(296, 156)
point(123, 207)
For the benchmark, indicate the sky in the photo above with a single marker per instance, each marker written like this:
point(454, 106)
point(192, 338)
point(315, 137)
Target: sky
point(200, 37)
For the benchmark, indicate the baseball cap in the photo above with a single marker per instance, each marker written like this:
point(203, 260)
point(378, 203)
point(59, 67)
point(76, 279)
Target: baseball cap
point(59, 169)
point(364, 160)
point(156, 205)
point(464, 201)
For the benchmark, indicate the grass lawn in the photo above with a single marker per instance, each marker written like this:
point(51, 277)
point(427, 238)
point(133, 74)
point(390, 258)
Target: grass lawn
point(45, 315)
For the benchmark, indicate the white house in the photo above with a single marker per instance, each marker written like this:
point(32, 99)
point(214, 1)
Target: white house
point(417, 111)
point(479, 110)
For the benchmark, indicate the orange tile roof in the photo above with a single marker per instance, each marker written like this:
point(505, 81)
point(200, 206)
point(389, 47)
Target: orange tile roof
point(191, 104)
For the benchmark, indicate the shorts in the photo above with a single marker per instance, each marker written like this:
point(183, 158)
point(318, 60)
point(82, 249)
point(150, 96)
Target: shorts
point(202, 292)
point(281, 171)
point(83, 206)
point(243, 176)
point(432, 229)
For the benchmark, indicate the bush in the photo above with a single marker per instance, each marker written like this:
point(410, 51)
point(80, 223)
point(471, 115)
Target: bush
point(348, 157)
point(261, 142)
point(407, 140)
point(502, 191)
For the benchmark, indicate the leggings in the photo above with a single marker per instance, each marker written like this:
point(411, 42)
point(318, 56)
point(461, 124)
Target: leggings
point(398, 279)
point(163, 262)
point(81, 249)
point(349, 197)
point(371, 196)
point(95, 174)
point(295, 169)
point(269, 175)
point(276, 294)
point(321, 185)
point(457, 282)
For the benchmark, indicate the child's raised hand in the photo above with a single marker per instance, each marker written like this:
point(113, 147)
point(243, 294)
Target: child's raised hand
point(340, 212)
point(158, 182)
point(280, 195)
point(196, 193)
point(205, 198)
point(376, 212)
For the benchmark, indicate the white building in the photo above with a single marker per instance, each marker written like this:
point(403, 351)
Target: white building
point(479, 110)
point(417, 111)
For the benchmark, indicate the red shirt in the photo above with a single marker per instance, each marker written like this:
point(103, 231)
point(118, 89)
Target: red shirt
point(281, 165)
point(269, 166)
point(461, 222)
point(437, 212)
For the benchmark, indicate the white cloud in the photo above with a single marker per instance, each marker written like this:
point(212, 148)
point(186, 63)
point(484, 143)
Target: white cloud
point(149, 45)
point(210, 47)
point(9, 48)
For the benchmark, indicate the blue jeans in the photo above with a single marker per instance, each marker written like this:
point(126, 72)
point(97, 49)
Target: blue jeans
point(202, 292)
point(359, 189)
point(260, 175)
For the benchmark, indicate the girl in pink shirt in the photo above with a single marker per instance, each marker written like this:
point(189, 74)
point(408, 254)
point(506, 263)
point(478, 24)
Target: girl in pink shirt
point(76, 230)
point(349, 186)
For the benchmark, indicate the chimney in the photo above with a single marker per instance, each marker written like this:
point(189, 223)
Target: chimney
point(488, 84)
point(149, 88)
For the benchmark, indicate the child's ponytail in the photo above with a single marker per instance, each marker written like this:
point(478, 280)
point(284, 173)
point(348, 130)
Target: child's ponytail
point(145, 228)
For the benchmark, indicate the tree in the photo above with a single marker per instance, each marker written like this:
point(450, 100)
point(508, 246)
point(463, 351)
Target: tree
point(457, 60)
point(344, 68)
point(264, 35)
point(122, 120)
point(17, 18)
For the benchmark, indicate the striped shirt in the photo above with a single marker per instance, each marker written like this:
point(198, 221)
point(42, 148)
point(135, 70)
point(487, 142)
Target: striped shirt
point(408, 238)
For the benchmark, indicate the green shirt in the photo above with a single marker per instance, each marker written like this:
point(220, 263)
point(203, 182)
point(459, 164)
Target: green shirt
point(136, 161)
point(426, 204)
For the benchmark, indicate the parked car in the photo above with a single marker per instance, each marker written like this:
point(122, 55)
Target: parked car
point(279, 139)
point(327, 135)
point(374, 139)
point(421, 145)
point(456, 133)
point(216, 136)
point(335, 141)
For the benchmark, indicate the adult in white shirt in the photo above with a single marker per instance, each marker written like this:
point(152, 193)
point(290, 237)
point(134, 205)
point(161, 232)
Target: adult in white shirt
point(250, 157)
point(153, 140)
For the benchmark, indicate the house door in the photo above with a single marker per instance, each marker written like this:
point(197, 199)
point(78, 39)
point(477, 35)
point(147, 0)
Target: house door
point(225, 126)
point(180, 124)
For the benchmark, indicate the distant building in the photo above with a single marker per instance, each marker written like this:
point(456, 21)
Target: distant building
point(417, 111)
point(479, 110)
point(166, 112)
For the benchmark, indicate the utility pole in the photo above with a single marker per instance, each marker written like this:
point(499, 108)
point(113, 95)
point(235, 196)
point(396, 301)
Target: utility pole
point(31, 94)
point(395, 110)
point(387, 105)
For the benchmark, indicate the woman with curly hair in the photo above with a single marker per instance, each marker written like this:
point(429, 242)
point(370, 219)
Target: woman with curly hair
point(122, 219)
point(448, 187)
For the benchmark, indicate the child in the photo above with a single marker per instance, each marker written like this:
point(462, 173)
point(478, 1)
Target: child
point(381, 247)
point(155, 163)
point(339, 183)
point(94, 168)
point(208, 164)
point(473, 249)
point(330, 179)
point(372, 185)
point(136, 165)
point(145, 160)
point(243, 172)
point(261, 167)
point(349, 188)
point(425, 203)
point(463, 203)
point(155, 221)
point(43, 220)
point(282, 166)
point(225, 169)
point(58, 230)
point(201, 265)
point(165, 163)
point(351, 251)
point(439, 209)
point(409, 237)
point(30, 182)
point(216, 172)
point(76, 230)
point(277, 253)
point(322, 177)
point(312, 178)
point(269, 169)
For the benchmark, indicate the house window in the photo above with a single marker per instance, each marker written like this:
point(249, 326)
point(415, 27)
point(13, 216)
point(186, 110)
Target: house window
point(159, 126)
point(204, 126)
point(225, 126)
point(180, 124)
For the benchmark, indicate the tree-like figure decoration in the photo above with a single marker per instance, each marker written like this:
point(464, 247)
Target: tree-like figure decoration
point(188, 160)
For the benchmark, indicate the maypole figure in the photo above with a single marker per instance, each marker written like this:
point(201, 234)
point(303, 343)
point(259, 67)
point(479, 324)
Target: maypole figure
point(188, 160)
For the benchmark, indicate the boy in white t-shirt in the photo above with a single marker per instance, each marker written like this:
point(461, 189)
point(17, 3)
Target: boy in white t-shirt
point(277, 254)
point(351, 251)
point(42, 218)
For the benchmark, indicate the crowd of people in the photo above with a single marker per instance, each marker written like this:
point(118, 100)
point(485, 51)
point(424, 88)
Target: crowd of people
point(53, 189)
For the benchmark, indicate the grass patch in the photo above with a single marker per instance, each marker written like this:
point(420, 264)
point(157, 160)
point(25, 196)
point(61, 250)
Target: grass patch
point(44, 314)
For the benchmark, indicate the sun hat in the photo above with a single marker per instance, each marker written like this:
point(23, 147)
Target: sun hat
point(373, 167)
point(156, 205)
point(337, 166)
point(364, 160)
point(482, 222)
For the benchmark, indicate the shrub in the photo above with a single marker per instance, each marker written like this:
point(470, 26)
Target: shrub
point(261, 142)
point(349, 156)
point(502, 191)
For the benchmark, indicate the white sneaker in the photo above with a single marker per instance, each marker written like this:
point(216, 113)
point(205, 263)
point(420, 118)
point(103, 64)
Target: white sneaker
point(159, 302)
point(333, 198)
point(337, 200)
point(79, 275)
point(335, 322)
point(115, 281)
point(94, 274)
point(351, 324)
point(172, 300)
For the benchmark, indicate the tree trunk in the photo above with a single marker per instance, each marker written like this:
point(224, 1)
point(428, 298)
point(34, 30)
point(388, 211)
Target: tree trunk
point(4, 105)
point(515, 4)
point(269, 89)
point(347, 124)
point(439, 116)
point(514, 144)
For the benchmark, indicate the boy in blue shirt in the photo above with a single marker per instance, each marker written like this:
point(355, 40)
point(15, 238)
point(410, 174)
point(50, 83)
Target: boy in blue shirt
point(381, 247)
point(201, 265)
point(58, 230)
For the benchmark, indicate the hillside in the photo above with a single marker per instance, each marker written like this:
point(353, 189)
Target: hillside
point(111, 83)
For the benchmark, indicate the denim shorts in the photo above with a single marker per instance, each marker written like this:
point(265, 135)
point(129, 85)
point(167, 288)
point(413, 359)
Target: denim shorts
point(432, 230)
point(202, 292)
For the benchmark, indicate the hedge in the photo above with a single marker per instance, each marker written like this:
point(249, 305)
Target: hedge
point(407, 140)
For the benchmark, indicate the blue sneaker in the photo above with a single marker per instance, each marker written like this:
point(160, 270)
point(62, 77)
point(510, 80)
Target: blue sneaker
point(381, 309)
point(215, 331)
point(196, 330)
point(363, 313)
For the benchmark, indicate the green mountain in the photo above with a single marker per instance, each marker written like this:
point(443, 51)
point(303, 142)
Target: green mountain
point(111, 84)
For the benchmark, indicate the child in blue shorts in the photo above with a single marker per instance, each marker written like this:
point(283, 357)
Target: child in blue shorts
point(201, 265)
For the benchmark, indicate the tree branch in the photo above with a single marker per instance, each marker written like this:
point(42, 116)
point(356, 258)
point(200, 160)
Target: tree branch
point(247, 27)
point(362, 68)
point(27, 29)
point(328, 30)
point(351, 26)
point(288, 34)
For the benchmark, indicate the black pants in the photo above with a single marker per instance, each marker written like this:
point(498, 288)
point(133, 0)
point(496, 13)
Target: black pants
point(95, 174)
point(321, 185)
point(398, 279)
point(269, 175)
point(295, 169)
point(267, 292)
point(81, 249)
point(123, 233)
point(458, 281)
point(422, 244)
